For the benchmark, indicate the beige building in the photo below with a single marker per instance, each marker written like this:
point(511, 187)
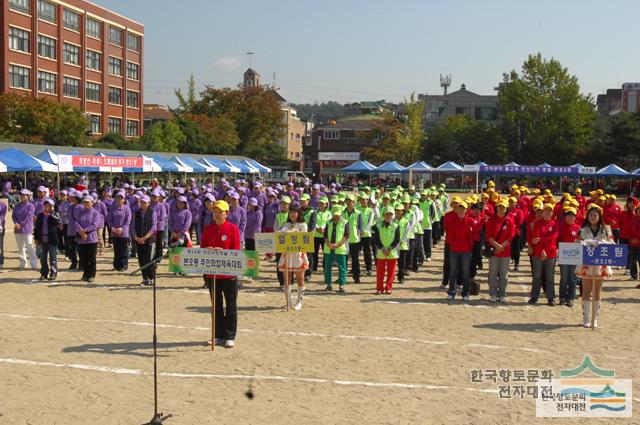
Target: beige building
point(295, 132)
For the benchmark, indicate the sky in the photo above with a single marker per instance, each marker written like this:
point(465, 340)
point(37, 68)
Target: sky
point(356, 50)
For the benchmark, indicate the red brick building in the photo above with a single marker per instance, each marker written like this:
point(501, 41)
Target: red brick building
point(76, 52)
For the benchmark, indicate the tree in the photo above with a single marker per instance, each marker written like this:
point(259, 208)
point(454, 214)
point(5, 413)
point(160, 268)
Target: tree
point(544, 116)
point(265, 151)
point(113, 141)
point(219, 131)
point(619, 141)
point(67, 126)
point(465, 140)
point(187, 104)
point(320, 112)
point(163, 137)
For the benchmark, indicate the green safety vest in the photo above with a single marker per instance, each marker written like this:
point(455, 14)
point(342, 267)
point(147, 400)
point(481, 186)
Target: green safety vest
point(409, 216)
point(281, 218)
point(404, 226)
point(366, 216)
point(340, 229)
point(321, 221)
point(425, 207)
point(307, 218)
point(353, 224)
point(417, 229)
point(386, 234)
point(438, 213)
point(444, 201)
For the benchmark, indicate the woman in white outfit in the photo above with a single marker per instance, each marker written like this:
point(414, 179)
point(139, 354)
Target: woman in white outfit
point(295, 263)
point(593, 233)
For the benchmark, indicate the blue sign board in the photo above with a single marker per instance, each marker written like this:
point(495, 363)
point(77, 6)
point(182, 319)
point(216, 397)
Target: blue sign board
point(528, 169)
point(605, 255)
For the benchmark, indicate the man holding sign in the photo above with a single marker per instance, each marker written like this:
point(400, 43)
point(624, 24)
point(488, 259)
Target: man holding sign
point(221, 234)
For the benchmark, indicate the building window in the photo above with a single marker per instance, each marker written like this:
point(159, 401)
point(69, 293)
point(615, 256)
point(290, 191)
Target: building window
point(92, 92)
point(115, 96)
point(20, 5)
point(132, 71)
point(331, 134)
point(46, 47)
point(95, 124)
point(465, 110)
point(93, 60)
point(19, 77)
point(115, 66)
point(47, 11)
point(71, 20)
point(132, 128)
point(115, 36)
point(132, 99)
point(94, 28)
point(71, 87)
point(486, 114)
point(47, 82)
point(19, 39)
point(133, 42)
point(71, 54)
point(115, 125)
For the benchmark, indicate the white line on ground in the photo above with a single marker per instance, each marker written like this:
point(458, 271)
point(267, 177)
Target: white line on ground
point(292, 333)
point(138, 372)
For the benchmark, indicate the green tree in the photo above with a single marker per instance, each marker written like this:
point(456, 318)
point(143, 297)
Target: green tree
point(163, 137)
point(219, 131)
point(187, 103)
point(618, 142)
point(67, 126)
point(544, 116)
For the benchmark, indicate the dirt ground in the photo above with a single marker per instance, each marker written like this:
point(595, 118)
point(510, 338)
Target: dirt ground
point(78, 353)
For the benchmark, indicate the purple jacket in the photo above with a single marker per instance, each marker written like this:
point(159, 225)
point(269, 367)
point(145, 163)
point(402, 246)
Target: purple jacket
point(3, 213)
point(23, 214)
point(206, 218)
point(180, 221)
point(102, 210)
point(195, 205)
point(161, 213)
point(260, 196)
point(88, 220)
point(38, 203)
point(72, 214)
point(120, 217)
point(62, 211)
point(270, 211)
point(238, 216)
point(254, 224)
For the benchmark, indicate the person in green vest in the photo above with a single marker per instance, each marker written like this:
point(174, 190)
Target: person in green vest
point(428, 212)
point(310, 218)
point(403, 246)
point(375, 211)
point(436, 227)
point(387, 239)
point(323, 215)
point(336, 235)
point(411, 217)
point(368, 217)
point(281, 219)
point(418, 255)
point(353, 216)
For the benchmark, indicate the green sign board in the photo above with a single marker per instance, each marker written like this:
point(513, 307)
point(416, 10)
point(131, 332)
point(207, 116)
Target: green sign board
point(214, 261)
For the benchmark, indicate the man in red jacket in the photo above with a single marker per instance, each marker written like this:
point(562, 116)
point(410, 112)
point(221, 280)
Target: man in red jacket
point(517, 216)
point(221, 234)
point(459, 228)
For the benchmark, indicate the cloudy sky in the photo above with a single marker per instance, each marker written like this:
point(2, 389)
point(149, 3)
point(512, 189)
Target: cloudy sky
point(352, 50)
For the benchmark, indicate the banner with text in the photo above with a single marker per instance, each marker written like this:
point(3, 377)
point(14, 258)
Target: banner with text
point(601, 255)
point(214, 261)
point(284, 242)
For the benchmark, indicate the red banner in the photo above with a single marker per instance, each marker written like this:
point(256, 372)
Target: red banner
point(106, 161)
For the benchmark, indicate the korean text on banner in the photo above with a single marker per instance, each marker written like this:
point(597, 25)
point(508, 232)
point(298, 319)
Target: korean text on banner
point(214, 261)
point(284, 242)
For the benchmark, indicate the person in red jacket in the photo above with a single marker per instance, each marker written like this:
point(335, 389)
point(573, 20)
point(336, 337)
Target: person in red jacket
point(626, 220)
point(517, 216)
point(611, 215)
point(459, 228)
point(500, 231)
point(221, 234)
point(634, 246)
point(569, 233)
point(544, 238)
point(478, 224)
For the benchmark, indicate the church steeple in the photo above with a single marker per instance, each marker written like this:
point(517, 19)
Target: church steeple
point(251, 78)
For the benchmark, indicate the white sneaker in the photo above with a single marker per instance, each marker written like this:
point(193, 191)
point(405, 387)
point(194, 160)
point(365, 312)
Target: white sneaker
point(626, 272)
point(466, 298)
point(493, 299)
point(229, 343)
point(429, 259)
point(298, 306)
point(449, 297)
point(502, 299)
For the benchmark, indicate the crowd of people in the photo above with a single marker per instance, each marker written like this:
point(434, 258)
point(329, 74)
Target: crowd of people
point(391, 232)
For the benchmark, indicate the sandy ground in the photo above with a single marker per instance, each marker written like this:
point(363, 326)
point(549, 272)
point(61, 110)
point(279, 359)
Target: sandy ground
point(77, 353)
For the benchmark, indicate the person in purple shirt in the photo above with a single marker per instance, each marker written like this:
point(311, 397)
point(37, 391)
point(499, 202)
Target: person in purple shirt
point(180, 223)
point(22, 216)
point(45, 235)
point(38, 202)
point(71, 247)
point(133, 206)
point(271, 208)
point(254, 224)
point(102, 210)
point(206, 215)
point(315, 196)
point(107, 200)
point(195, 205)
point(119, 219)
point(244, 199)
point(222, 189)
point(63, 205)
point(145, 225)
point(292, 193)
point(237, 215)
point(87, 223)
point(160, 208)
point(3, 214)
point(258, 194)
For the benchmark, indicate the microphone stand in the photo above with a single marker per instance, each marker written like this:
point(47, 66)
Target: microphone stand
point(158, 418)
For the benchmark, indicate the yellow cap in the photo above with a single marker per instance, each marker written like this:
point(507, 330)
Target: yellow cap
point(602, 198)
point(547, 206)
point(537, 206)
point(578, 191)
point(462, 204)
point(570, 210)
point(600, 192)
point(513, 199)
point(456, 199)
point(221, 205)
point(484, 196)
point(594, 206)
point(503, 203)
point(491, 184)
point(547, 192)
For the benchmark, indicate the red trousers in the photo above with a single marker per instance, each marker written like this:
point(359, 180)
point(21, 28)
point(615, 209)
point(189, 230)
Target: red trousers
point(388, 267)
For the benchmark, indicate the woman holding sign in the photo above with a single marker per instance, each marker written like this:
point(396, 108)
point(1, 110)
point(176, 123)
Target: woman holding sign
point(295, 263)
point(593, 233)
point(221, 234)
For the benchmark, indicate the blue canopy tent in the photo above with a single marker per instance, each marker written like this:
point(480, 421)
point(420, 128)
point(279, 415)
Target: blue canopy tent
point(512, 164)
point(149, 166)
point(636, 172)
point(359, 167)
point(449, 167)
point(244, 168)
point(419, 167)
point(48, 156)
point(389, 167)
point(545, 164)
point(255, 164)
point(169, 166)
point(14, 159)
point(198, 168)
point(224, 168)
point(612, 170)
